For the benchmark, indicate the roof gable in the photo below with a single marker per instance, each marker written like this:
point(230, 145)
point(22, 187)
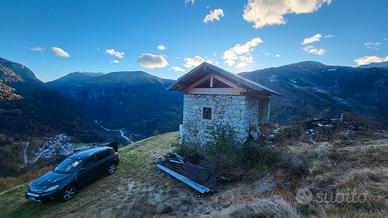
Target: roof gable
point(205, 69)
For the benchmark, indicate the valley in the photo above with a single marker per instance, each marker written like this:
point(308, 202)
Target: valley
point(344, 161)
point(194, 108)
point(132, 100)
point(128, 106)
point(121, 132)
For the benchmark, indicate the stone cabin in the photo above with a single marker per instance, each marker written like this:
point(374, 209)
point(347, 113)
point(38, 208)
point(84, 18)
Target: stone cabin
point(214, 97)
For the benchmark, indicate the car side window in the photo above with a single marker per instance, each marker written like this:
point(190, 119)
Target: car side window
point(103, 155)
point(91, 161)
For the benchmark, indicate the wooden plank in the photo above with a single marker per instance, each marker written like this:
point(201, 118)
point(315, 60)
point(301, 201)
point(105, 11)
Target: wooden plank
point(216, 91)
point(198, 82)
point(227, 82)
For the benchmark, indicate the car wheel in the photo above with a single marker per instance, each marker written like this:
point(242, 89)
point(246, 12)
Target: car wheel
point(68, 193)
point(112, 169)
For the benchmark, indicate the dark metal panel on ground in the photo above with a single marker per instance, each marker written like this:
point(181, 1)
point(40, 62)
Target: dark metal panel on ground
point(186, 172)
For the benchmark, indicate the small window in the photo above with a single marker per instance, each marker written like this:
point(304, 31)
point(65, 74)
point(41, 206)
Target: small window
point(207, 113)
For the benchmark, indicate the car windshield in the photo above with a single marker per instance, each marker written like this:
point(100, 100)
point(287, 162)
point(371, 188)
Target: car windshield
point(68, 165)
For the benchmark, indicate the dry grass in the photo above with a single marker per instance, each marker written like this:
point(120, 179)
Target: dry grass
point(106, 194)
point(9, 182)
point(343, 163)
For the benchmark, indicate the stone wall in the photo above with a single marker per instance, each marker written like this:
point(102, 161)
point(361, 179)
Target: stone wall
point(237, 112)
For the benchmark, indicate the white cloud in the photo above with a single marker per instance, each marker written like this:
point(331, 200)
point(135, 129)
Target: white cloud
point(37, 49)
point(314, 38)
point(314, 50)
point(271, 12)
point(177, 69)
point(195, 61)
point(241, 65)
point(115, 53)
point(60, 52)
point(372, 45)
point(370, 59)
point(115, 61)
point(215, 14)
point(148, 60)
point(329, 36)
point(241, 54)
point(277, 56)
point(162, 47)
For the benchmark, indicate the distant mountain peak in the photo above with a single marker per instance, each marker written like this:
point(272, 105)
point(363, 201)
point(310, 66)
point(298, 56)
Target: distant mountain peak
point(92, 74)
point(377, 65)
point(131, 77)
point(76, 77)
point(307, 64)
point(118, 77)
point(20, 70)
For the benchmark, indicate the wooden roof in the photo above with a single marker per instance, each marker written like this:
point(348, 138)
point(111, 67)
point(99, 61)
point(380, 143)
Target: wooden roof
point(204, 69)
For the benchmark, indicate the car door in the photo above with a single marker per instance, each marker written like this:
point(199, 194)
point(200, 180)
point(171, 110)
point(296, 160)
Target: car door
point(103, 162)
point(89, 170)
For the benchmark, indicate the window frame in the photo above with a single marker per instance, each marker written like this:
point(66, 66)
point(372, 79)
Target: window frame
point(203, 113)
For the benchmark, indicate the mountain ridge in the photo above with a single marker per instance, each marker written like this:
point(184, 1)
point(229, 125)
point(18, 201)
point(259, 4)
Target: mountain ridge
point(323, 90)
point(23, 72)
point(376, 64)
point(132, 100)
point(38, 110)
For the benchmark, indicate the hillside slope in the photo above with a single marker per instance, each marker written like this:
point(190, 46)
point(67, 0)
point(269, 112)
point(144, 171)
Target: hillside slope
point(377, 64)
point(132, 100)
point(31, 109)
point(314, 90)
point(139, 190)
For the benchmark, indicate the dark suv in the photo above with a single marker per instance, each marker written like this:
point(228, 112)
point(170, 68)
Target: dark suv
point(71, 174)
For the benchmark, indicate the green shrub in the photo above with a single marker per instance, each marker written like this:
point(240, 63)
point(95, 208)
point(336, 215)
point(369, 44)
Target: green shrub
point(190, 153)
point(227, 159)
point(222, 142)
point(221, 155)
point(257, 156)
point(289, 133)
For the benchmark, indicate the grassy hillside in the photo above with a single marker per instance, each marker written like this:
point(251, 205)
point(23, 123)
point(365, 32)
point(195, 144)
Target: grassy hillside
point(346, 161)
point(105, 194)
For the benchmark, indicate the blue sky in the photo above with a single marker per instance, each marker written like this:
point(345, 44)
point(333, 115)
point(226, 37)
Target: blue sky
point(54, 38)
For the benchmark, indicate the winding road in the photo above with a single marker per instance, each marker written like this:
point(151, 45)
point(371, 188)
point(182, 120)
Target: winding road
point(25, 152)
point(121, 131)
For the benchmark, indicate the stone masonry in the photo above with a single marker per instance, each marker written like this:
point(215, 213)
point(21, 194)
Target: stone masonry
point(240, 113)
